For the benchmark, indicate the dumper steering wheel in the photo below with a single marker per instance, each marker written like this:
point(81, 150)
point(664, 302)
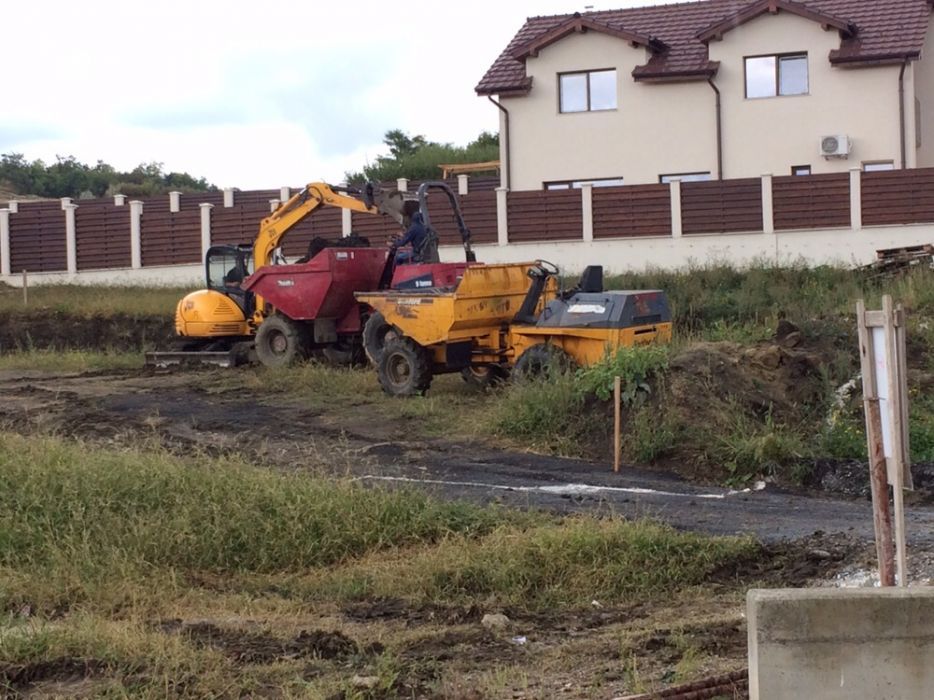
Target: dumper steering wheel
point(549, 268)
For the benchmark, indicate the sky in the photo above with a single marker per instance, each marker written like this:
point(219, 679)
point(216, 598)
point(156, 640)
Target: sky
point(250, 94)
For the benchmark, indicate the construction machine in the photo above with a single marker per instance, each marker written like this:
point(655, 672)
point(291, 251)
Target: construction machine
point(511, 318)
point(255, 303)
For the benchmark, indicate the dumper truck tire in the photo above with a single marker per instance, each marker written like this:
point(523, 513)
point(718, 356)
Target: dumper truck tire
point(542, 361)
point(376, 333)
point(281, 342)
point(482, 377)
point(404, 368)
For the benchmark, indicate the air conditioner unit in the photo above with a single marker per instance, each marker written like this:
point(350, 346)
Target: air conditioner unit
point(835, 146)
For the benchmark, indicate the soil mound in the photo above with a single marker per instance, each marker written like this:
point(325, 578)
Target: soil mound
point(56, 330)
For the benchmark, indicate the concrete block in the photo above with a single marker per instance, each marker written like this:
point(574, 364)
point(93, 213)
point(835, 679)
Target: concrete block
point(841, 644)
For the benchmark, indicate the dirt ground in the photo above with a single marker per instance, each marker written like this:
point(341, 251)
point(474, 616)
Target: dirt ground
point(597, 654)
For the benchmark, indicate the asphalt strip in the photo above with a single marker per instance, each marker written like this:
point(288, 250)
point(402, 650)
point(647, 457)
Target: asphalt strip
point(565, 489)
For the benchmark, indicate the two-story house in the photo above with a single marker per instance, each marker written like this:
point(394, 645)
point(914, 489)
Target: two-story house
point(715, 89)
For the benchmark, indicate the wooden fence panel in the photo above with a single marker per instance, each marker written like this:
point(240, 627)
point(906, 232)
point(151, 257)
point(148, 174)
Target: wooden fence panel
point(545, 215)
point(631, 211)
point(811, 201)
point(167, 238)
point(37, 238)
point(898, 197)
point(479, 210)
point(726, 206)
point(102, 235)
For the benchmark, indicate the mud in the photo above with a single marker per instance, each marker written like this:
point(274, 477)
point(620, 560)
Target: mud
point(19, 677)
point(53, 330)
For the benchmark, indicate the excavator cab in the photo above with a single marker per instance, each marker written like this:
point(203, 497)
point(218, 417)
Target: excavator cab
point(226, 266)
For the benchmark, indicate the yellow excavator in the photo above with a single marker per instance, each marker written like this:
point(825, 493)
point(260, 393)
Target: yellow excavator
point(255, 301)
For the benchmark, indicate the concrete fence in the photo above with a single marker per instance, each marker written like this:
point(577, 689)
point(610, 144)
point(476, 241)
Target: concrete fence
point(838, 218)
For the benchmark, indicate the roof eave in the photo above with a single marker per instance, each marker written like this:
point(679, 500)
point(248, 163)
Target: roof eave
point(642, 74)
point(717, 30)
point(578, 24)
point(888, 59)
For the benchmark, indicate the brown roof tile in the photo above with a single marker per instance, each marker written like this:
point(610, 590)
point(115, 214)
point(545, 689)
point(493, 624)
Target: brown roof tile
point(885, 30)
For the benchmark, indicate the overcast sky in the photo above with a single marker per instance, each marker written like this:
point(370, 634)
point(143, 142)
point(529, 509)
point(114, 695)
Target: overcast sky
point(249, 94)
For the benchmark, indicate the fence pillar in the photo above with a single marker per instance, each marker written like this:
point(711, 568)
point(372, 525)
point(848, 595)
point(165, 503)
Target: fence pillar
point(674, 192)
point(13, 206)
point(463, 184)
point(71, 240)
point(502, 216)
point(5, 267)
point(402, 184)
point(273, 204)
point(65, 202)
point(587, 210)
point(119, 200)
point(285, 194)
point(205, 227)
point(346, 222)
point(136, 234)
point(175, 202)
point(856, 199)
point(228, 197)
point(768, 211)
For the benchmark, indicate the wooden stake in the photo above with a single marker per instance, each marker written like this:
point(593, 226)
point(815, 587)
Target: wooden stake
point(896, 475)
point(881, 515)
point(617, 434)
point(25, 289)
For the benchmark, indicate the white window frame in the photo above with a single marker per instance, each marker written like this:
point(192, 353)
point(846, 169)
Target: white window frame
point(700, 176)
point(796, 168)
point(588, 73)
point(778, 74)
point(577, 184)
point(878, 166)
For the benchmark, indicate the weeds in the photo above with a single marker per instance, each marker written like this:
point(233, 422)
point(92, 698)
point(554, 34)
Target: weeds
point(85, 301)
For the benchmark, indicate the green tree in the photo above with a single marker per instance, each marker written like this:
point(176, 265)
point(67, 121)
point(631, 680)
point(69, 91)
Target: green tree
point(417, 158)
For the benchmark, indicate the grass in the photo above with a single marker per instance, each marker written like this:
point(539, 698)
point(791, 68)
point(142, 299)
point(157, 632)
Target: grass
point(98, 547)
point(69, 360)
point(86, 300)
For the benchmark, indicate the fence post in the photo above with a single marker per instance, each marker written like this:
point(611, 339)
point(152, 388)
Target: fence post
point(856, 199)
point(502, 216)
point(119, 200)
point(674, 193)
point(463, 186)
point(175, 202)
point(273, 204)
point(587, 210)
point(285, 194)
point(71, 239)
point(346, 222)
point(5, 267)
point(206, 208)
point(768, 212)
point(13, 206)
point(228, 197)
point(402, 184)
point(136, 234)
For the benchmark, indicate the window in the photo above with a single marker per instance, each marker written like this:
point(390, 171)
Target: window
point(684, 177)
point(576, 184)
point(876, 166)
point(590, 91)
point(771, 76)
point(800, 169)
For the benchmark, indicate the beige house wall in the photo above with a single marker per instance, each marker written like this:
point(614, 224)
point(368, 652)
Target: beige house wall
point(548, 145)
point(924, 92)
point(671, 127)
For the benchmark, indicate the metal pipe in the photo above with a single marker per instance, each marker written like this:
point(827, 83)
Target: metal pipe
point(901, 113)
point(719, 130)
point(508, 168)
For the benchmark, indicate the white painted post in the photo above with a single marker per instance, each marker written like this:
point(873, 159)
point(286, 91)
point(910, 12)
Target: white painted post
point(285, 194)
point(587, 210)
point(674, 192)
point(463, 184)
point(856, 199)
point(502, 216)
point(402, 184)
point(119, 200)
point(175, 202)
point(768, 211)
point(273, 204)
point(205, 227)
point(5, 268)
point(65, 202)
point(228, 197)
point(71, 240)
point(346, 222)
point(136, 234)
point(13, 206)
